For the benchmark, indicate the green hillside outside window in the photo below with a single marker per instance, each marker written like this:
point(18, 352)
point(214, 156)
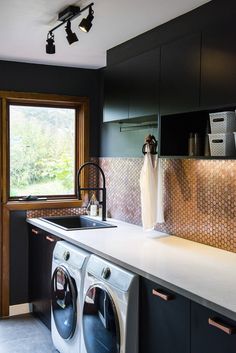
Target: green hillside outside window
point(42, 144)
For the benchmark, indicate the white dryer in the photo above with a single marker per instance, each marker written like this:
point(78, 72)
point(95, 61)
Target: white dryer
point(110, 309)
point(68, 268)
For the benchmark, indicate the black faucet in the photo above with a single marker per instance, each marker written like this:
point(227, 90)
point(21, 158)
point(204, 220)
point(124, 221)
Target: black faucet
point(95, 189)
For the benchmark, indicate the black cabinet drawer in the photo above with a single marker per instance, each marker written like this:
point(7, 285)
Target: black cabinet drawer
point(164, 320)
point(209, 331)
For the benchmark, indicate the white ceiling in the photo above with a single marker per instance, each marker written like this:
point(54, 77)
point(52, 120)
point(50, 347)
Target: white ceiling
point(24, 25)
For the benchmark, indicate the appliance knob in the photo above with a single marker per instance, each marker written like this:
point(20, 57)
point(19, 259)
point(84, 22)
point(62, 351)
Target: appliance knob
point(106, 272)
point(66, 255)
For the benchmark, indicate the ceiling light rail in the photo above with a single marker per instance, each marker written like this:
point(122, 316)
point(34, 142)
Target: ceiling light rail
point(66, 16)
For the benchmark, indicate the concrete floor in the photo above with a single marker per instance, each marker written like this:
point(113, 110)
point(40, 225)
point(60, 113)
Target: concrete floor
point(24, 334)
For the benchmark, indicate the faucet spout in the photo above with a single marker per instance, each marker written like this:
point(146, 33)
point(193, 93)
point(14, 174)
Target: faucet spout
point(103, 189)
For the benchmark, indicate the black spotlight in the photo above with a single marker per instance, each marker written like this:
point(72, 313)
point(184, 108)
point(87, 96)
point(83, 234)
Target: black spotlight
point(71, 37)
point(86, 23)
point(50, 46)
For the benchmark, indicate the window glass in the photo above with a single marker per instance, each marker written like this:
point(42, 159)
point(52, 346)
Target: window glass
point(42, 150)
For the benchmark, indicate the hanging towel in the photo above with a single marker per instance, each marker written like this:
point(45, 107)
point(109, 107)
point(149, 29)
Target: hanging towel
point(160, 180)
point(151, 191)
point(148, 185)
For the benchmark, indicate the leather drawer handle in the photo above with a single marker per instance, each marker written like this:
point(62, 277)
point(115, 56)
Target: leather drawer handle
point(50, 239)
point(35, 231)
point(230, 330)
point(162, 295)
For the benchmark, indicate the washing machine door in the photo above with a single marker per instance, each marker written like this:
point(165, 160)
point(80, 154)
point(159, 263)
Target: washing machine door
point(101, 329)
point(64, 296)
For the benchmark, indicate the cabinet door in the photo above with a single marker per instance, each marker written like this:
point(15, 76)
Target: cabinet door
point(144, 84)
point(35, 263)
point(41, 248)
point(218, 75)
point(116, 93)
point(180, 75)
point(164, 320)
point(211, 337)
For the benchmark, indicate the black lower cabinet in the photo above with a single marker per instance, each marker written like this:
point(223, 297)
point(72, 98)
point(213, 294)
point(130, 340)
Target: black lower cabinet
point(211, 332)
point(41, 246)
point(164, 320)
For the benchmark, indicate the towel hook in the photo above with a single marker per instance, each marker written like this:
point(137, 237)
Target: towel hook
point(150, 141)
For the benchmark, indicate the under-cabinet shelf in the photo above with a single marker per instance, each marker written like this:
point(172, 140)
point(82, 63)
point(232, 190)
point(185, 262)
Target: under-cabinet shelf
point(176, 129)
point(200, 157)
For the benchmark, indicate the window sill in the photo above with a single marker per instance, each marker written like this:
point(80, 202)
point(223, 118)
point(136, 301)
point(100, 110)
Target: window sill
point(34, 205)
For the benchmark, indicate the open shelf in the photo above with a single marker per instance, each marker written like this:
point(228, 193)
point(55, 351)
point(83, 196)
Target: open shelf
point(199, 157)
point(175, 130)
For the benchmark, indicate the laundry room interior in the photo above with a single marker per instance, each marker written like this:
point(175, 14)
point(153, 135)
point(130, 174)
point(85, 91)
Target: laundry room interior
point(118, 176)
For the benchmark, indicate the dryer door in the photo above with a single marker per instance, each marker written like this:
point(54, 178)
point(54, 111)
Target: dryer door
point(64, 296)
point(101, 327)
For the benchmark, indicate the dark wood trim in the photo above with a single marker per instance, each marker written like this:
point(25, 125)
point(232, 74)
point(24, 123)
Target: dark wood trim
point(36, 205)
point(42, 97)
point(82, 107)
point(83, 145)
point(5, 159)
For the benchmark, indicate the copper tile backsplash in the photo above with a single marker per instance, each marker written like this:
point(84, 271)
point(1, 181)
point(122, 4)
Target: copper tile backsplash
point(47, 212)
point(199, 197)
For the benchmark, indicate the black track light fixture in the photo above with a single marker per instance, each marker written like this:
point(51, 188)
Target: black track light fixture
point(71, 36)
point(50, 46)
point(66, 16)
point(86, 23)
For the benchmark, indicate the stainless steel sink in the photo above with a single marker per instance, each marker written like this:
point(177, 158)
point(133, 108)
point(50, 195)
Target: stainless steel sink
point(76, 222)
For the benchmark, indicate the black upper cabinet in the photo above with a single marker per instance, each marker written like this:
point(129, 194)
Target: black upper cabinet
point(209, 331)
point(218, 78)
point(116, 105)
point(164, 320)
point(143, 84)
point(180, 75)
point(131, 88)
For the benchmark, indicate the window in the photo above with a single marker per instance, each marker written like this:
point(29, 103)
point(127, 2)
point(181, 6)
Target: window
point(45, 147)
point(42, 150)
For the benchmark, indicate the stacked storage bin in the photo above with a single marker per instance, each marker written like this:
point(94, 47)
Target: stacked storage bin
point(223, 134)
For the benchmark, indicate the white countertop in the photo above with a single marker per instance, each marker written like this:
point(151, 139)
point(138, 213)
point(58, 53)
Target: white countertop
point(200, 272)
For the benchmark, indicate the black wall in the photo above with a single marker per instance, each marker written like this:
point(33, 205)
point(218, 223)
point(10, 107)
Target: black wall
point(124, 143)
point(116, 144)
point(23, 77)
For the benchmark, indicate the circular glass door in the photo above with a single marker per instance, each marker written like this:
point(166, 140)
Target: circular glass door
point(64, 295)
point(100, 322)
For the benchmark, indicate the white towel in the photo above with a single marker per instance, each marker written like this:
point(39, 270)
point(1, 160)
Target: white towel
point(148, 185)
point(160, 206)
point(151, 191)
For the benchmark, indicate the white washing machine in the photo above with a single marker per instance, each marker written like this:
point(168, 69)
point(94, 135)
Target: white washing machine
point(68, 268)
point(110, 309)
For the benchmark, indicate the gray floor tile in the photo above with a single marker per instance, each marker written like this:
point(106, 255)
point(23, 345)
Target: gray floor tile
point(24, 334)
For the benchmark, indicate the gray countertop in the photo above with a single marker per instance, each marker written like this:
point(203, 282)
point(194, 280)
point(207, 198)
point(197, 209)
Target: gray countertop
point(199, 272)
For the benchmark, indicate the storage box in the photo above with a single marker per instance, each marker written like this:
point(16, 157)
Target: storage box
point(222, 122)
point(222, 144)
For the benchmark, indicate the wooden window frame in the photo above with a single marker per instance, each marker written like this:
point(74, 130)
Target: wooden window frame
point(81, 104)
point(43, 101)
